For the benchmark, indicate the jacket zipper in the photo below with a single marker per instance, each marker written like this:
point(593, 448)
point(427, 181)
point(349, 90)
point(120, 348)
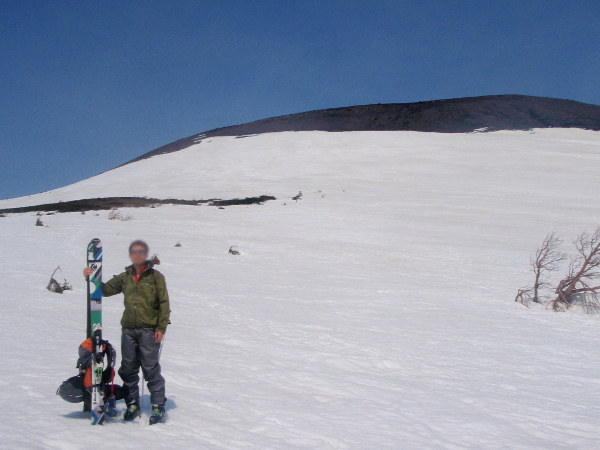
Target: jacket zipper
point(137, 290)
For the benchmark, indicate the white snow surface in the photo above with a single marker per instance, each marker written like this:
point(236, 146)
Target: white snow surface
point(376, 312)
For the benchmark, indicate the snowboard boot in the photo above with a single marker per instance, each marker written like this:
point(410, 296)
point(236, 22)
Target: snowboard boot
point(110, 407)
point(158, 414)
point(133, 411)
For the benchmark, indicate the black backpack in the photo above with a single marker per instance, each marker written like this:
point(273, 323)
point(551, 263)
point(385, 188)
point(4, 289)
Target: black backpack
point(78, 388)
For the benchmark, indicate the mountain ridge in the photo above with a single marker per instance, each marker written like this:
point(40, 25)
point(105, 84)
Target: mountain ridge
point(456, 115)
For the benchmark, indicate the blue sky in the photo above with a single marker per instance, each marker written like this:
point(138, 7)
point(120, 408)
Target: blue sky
point(87, 85)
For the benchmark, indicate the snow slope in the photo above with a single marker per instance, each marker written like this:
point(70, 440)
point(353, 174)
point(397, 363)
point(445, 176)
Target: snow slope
point(376, 312)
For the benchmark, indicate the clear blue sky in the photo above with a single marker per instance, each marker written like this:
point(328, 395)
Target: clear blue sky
point(87, 85)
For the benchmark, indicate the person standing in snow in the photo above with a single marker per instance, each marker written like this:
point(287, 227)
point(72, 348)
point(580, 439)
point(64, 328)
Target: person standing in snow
point(144, 324)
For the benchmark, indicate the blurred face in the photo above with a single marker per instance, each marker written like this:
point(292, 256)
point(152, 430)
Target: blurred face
point(138, 255)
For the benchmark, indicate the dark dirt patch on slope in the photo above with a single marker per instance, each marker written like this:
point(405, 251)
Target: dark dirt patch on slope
point(107, 203)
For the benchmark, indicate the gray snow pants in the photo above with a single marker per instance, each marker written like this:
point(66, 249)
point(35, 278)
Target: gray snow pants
point(139, 349)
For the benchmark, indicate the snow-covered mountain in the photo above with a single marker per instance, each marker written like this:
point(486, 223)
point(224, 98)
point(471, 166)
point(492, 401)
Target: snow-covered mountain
point(457, 115)
point(374, 312)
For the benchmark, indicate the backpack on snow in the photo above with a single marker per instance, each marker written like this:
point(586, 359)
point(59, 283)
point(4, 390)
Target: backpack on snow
point(78, 388)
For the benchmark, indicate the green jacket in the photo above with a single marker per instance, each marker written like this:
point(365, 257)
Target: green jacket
point(146, 302)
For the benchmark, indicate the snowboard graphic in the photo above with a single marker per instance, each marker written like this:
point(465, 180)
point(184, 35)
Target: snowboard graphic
point(94, 327)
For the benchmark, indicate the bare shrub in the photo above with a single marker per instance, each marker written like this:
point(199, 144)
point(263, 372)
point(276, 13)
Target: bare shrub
point(39, 223)
point(155, 260)
point(55, 286)
point(579, 287)
point(297, 197)
point(584, 270)
point(115, 214)
point(547, 259)
point(177, 244)
point(233, 250)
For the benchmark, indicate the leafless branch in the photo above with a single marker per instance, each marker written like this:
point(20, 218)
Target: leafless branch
point(547, 259)
point(524, 296)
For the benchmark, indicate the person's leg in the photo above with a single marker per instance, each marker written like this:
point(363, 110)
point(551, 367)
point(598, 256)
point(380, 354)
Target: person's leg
point(149, 355)
point(130, 365)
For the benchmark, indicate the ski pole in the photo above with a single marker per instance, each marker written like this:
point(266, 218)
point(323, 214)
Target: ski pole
point(161, 346)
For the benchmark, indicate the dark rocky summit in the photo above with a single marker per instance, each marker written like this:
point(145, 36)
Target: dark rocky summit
point(460, 115)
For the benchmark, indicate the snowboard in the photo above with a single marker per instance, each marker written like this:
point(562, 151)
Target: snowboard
point(94, 328)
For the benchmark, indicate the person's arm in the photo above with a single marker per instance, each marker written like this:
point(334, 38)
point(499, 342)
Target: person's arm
point(164, 307)
point(113, 286)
